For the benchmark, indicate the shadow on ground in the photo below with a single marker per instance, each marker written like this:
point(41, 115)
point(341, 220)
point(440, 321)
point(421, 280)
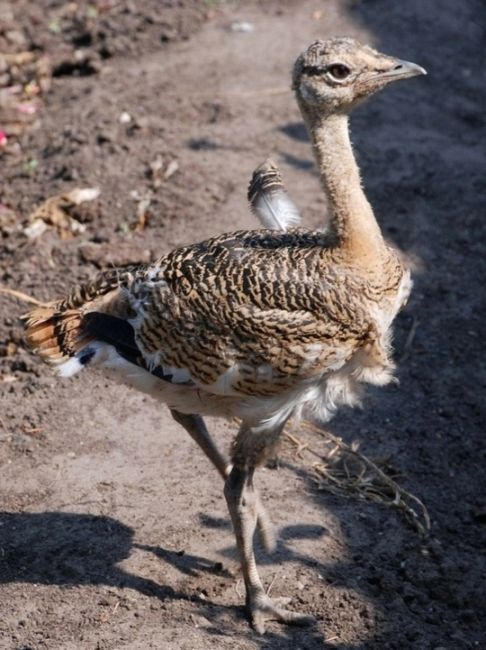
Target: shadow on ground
point(69, 549)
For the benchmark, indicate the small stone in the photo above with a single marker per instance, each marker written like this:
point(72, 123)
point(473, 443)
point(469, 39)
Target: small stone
point(172, 167)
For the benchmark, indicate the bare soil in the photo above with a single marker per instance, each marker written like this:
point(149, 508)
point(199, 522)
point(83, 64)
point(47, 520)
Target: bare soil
point(113, 527)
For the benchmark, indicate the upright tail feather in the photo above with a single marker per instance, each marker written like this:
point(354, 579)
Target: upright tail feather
point(268, 199)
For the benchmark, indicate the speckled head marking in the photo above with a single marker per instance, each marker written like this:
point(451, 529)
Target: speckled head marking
point(338, 73)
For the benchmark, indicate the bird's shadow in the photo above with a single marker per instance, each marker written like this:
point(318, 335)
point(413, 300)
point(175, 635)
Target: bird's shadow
point(283, 551)
point(68, 549)
point(71, 549)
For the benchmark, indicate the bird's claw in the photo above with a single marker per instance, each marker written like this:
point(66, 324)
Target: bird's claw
point(263, 608)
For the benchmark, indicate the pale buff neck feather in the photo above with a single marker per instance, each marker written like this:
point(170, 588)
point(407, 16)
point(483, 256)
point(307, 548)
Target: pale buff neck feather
point(352, 218)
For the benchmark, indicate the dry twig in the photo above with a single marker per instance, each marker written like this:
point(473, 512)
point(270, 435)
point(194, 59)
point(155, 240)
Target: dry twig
point(409, 341)
point(345, 471)
point(22, 296)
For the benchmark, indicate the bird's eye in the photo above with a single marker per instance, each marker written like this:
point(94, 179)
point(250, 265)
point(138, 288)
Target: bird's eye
point(339, 71)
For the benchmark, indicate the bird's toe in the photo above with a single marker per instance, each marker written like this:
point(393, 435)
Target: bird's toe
point(262, 609)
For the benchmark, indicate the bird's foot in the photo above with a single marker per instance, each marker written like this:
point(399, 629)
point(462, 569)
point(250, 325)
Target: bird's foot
point(262, 608)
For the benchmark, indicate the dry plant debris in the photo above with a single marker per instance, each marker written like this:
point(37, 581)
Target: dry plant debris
point(24, 77)
point(55, 211)
point(346, 472)
point(20, 295)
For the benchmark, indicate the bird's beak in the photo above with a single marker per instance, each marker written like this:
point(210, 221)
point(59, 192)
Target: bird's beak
point(399, 70)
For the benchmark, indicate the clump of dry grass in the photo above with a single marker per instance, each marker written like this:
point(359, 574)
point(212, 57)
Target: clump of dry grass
point(345, 471)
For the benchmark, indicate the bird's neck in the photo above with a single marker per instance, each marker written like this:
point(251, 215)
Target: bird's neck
point(352, 220)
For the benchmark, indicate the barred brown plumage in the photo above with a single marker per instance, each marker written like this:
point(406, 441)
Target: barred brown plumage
point(255, 324)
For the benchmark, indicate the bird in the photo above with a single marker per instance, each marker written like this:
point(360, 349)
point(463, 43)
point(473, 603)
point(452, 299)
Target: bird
point(255, 324)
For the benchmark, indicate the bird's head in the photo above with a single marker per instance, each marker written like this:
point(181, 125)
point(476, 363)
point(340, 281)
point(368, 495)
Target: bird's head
point(335, 75)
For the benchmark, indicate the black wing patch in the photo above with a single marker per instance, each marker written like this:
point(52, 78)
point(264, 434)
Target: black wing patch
point(120, 334)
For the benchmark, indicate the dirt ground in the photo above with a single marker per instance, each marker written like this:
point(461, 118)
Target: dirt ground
point(113, 527)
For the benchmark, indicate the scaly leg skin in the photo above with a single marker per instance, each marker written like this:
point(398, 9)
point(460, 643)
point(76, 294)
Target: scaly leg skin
point(196, 428)
point(242, 504)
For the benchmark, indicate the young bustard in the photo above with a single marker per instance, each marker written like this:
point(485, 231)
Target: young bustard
point(255, 324)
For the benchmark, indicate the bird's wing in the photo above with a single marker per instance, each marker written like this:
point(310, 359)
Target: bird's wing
point(246, 313)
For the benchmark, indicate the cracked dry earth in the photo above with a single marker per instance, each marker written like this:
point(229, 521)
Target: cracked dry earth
point(113, 527)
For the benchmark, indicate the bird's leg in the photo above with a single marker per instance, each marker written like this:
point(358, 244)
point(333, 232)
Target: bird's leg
point(242, 504)
point(196, 428)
